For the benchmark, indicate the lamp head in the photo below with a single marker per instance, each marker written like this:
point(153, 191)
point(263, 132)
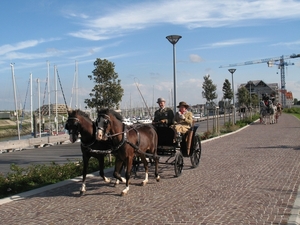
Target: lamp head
point(173, 39)
point(231, 70)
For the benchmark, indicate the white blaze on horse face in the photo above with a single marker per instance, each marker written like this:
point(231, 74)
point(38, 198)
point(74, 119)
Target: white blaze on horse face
point(100, 134)
point(100, 131)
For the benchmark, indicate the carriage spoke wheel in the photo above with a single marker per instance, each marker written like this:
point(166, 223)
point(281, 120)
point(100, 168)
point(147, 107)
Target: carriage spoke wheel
point(178, 164)
point(196, 154)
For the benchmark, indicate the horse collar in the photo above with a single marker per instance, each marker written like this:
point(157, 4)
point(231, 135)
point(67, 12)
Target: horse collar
point(124, 139)
point(94, 135)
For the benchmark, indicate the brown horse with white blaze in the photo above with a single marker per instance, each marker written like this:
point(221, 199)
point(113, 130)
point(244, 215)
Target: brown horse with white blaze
point(77, 123)
point(127, 142)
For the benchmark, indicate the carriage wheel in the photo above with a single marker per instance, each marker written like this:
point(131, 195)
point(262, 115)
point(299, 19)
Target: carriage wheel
point(178, 165)
point(195, 157)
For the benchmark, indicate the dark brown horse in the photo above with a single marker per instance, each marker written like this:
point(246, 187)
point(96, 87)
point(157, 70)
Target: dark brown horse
point(127, 142)
point(79, 123)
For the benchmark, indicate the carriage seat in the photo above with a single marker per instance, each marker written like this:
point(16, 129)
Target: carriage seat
point(188, 138)
point(165, 136)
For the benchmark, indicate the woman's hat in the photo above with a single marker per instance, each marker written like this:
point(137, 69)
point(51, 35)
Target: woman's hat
point(160, 100)
point(183, 104)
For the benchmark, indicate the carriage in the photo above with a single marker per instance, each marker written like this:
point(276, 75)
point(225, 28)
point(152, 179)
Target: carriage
point(109, 135)
point(177, 148)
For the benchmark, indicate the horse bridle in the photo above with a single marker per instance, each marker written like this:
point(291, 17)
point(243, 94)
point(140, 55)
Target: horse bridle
point(124, 132)
point(105, 123)
point(67, 124)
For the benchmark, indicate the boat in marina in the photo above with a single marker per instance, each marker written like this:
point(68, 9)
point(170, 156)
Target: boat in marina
point(127, 121)
point(144, 121)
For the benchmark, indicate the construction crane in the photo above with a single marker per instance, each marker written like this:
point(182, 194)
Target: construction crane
point(279, 61)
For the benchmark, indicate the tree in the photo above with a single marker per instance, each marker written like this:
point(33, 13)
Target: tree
point(243, 96)
point(295, 101)
point(254, 101)
point(227, 91)
point(107, 91)
point(209, 89)
point(227, 94)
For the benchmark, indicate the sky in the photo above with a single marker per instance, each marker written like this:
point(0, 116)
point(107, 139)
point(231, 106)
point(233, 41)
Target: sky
point(38, 36)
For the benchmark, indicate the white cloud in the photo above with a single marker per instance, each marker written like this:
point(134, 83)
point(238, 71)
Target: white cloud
point(4, 49)
point(195, 58)
point(191, 14)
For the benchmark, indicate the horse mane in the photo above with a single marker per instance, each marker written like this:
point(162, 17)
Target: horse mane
point(81, 113)
point(107, 111)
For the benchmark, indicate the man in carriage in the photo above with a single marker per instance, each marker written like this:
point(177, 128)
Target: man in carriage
point(164, 116)
point(183, 122)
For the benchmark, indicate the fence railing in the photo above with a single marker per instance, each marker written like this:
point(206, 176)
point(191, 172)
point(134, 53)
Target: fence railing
point(6, 146)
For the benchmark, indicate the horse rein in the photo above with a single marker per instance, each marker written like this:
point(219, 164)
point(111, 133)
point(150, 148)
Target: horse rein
point(94, 131)
point(124, 136)
point(67, 125)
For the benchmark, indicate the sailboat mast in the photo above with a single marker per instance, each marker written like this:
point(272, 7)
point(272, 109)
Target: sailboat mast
point(39, 93)
point(49, 101)
point(31, 107)
point(56, 115)
point(76, 74)
point(15, 97)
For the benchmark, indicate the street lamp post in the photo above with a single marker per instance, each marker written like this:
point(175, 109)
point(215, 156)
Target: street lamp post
point(232, 71)
point(173, 39)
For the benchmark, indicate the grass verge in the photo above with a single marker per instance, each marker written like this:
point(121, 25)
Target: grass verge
point(35, 176)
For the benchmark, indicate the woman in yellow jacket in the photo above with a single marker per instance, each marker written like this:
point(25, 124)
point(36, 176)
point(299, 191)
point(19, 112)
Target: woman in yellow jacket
point(183, 119)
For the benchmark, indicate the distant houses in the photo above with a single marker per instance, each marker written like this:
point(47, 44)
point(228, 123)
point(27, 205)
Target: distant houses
point(259, 87)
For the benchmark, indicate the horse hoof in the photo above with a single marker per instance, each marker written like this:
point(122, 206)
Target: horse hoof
point(107, 180)
point(143, 183)
point(82, 193)
point(123, 193)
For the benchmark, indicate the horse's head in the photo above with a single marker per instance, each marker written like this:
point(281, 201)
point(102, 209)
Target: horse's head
point(108, 122)
point(103, 124)
point(72, 126)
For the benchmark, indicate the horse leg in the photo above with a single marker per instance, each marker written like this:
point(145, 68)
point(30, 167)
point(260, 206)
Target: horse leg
point(122, 178)
point(156, 159)
point(85, 159)
point(145, 162)
point(127, 175)
point(101, 168)
point(260, 119)
point(117, 171)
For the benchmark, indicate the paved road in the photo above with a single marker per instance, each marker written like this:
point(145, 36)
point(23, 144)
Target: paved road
point(249, 177)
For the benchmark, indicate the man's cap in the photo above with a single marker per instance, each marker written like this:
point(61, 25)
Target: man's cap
point(160, 100)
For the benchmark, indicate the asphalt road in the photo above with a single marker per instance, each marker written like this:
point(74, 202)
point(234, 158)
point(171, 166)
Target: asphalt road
point(58, 153)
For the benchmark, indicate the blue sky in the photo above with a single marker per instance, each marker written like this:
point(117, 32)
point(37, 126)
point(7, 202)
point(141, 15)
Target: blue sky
point(132, 35)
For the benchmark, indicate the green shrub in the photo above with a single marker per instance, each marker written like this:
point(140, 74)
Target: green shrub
point(293, 110)
point(35, 176)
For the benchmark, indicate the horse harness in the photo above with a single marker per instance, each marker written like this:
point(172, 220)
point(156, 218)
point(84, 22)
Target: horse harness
point(124, 137)
point(78, 121)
